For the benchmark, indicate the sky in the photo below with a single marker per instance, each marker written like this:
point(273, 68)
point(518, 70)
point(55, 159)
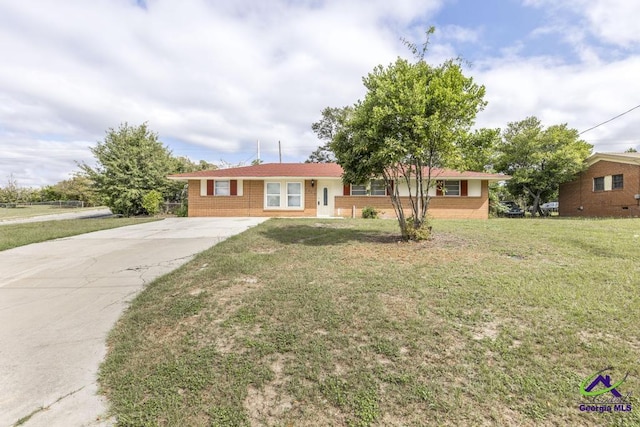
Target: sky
point(213, 77)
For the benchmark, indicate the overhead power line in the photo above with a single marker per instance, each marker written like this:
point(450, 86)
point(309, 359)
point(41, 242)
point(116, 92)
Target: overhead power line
point(610, 120)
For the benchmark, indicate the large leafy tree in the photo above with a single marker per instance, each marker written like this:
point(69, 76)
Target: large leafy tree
point(326, 129)
point(185, 164)
point(477, 150)
point(539, 159)
point(130, 163)
point(410, 122)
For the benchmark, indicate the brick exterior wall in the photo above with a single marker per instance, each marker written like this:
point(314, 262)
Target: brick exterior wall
point(579, 193)
point(251, 203)
point(439, 206)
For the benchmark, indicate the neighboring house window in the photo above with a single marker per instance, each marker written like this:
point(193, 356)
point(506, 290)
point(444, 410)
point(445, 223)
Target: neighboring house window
point(222, 188)
point(598, 183)
point(618, 182)
point(358, 190)
point(378, 188)
point(273, 194)
point(294, 194)
point(452, 188)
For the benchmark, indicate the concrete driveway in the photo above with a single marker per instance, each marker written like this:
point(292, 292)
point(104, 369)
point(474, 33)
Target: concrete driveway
point(59, 299)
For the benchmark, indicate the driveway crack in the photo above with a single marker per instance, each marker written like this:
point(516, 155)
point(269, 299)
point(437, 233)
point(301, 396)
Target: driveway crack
point(26, 418)
point(145, 267)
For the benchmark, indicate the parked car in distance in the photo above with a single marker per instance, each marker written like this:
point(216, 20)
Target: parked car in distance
point(546, 208)
point(510, 209)
point(549, 207)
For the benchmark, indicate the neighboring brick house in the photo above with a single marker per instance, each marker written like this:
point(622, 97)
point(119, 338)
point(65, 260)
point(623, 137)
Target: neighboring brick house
point(316, 190)
point(609, 187)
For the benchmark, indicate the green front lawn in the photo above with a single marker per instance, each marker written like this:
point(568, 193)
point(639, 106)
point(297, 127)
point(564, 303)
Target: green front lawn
point(320, 322)
point(13, 235)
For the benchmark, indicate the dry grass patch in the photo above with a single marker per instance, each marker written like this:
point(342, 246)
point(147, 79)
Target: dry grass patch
point(309, 322)
point(270, 404)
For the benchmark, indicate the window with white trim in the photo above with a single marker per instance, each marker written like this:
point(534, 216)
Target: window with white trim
point(378, 188)
point(273, 194)
point(221, 188)
point(451, 188)
point(284, 195)
point(358, 190)
point(294, 194)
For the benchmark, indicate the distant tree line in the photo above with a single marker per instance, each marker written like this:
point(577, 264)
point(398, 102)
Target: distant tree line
point(78, 188)
point(130, 176)
point(537, 158)
point(12, 192)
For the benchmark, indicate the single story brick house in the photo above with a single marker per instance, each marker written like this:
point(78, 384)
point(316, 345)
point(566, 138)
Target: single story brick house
point(317, 190)
point(609, 187)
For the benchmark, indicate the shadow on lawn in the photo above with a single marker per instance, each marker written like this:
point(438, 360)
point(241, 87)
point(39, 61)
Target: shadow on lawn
point(326, 235)
point(598, 250)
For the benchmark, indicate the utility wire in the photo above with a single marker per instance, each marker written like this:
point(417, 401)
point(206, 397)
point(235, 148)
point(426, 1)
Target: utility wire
point(610, 120)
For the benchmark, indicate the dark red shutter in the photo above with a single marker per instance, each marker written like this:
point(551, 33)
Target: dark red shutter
point(390, 188)
point(464, 188)
point(439, 185)
point(233, 187)
point(209, 187)
point(346, 190)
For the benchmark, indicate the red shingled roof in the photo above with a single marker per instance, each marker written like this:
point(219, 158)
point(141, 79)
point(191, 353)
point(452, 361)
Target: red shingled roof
point(311, 170)
point(265, 170)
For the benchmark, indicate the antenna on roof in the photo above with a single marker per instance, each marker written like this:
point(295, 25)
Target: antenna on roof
point(280, 150)
point(258, 156)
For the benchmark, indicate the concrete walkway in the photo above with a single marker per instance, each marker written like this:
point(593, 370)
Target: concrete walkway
point(59, 299)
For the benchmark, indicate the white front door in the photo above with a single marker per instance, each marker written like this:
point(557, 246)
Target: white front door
point(326, 194)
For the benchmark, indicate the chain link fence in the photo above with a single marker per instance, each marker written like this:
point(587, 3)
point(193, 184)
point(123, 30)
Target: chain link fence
point(170, 208)
point(53, 204)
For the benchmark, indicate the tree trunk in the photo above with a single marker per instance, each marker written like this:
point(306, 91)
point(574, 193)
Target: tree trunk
point(391, 181)
point(536, 202)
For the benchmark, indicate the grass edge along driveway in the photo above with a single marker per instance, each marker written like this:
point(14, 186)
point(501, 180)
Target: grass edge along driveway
point(29, 211)
point(319, 322)
point(14, 235)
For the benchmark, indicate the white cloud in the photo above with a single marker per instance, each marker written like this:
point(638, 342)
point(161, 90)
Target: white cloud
point(611, 21)
point(213, 74)
point(461, 34)
point(212, 77)
point(616, 21)
point(574, 94)
point(34, 162)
